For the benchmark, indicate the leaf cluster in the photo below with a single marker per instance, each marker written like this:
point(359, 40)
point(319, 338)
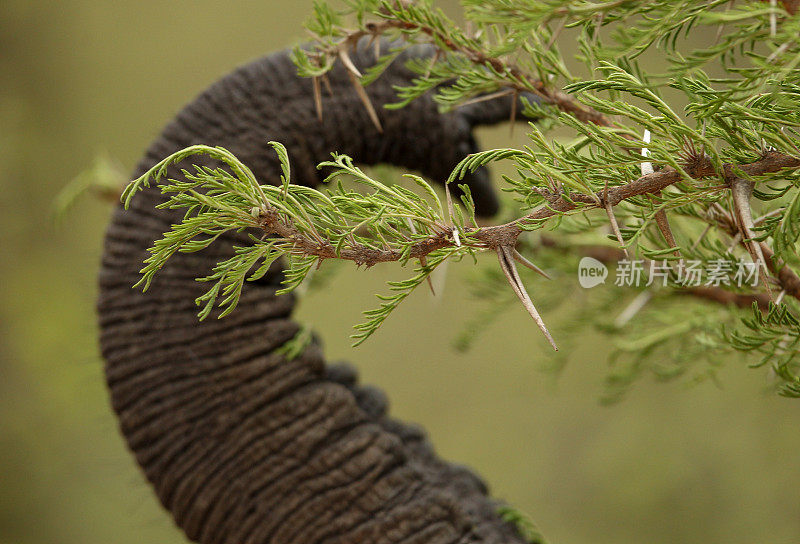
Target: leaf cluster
point(302, 224)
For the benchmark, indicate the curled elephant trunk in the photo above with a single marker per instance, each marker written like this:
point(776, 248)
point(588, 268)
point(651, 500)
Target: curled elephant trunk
point(241, 444)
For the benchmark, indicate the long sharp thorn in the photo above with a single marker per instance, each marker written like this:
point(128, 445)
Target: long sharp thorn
point(451, 214)
point(556, 33)
point(633, 308)
point(522, 260)
point(646, 167)
point(700, 238)
point(722, 26)
point(424, 262)
point(735, 242)
point(327, 83)
point(779, 51)
point(661, 215)
point(317, 97)
point(439, 277)
point(449, 198)
point(615, 227)
point(362, 94)
point(434, 59)
point(376, 45)
point(348, 62)
point(485, 97)
point(506, 259)
point(773, 19)
point(741, 190)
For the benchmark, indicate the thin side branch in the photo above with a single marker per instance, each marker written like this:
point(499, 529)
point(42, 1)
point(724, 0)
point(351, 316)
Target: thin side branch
point(517, 79)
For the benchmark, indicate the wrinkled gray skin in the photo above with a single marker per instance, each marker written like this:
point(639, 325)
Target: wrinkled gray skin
point(241, 445)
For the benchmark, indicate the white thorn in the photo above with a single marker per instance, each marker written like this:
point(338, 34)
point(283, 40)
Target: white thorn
point(364, 97)
point(615, 227)
point(741, 191)
point(647, 167)
point(317, 96)
point(700, 239)
point(633, 308)
point(734, 242)
point(449, 199)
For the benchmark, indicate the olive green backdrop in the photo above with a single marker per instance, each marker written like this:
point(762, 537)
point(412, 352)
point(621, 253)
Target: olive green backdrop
point(670, 464)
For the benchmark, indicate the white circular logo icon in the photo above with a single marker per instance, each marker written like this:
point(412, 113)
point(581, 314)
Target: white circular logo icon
point(591, 272)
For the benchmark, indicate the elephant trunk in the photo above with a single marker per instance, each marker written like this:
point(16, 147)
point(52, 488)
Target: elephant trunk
point(241, 444)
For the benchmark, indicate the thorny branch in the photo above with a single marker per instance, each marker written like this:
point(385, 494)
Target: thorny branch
point(518, 80)
point(784, 277)
point(506, 235)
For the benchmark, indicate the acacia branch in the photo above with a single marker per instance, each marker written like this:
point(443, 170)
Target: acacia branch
point(784, 276)
point(653, 183)
point(274, 223)
point(518, 79)
point(647, 184)
point(506, 235)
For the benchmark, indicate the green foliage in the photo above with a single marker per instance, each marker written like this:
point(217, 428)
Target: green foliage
point(297, 345)
point(216, 201)
point(716, 108)
point(775, 336)
point(306, 226)
point(668, 340)
point(524, 525)
point(376, 317)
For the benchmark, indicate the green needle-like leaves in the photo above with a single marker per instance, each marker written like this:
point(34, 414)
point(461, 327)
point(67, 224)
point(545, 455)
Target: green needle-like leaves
point(684, 162)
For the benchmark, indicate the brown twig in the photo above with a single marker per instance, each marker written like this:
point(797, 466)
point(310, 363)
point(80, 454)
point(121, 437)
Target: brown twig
point(791, 6)
point(517, 79)
point(666, 231)
point(506, 235)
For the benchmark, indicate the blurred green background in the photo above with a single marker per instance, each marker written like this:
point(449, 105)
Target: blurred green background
point(671, 463)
